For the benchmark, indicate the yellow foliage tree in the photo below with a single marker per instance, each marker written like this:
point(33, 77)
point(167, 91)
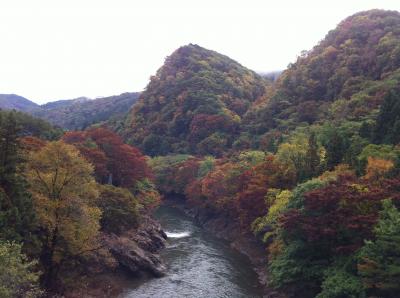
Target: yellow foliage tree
point(64, 193)
point(377, 168)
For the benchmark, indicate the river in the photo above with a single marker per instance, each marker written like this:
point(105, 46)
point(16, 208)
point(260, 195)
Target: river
point(199, 265)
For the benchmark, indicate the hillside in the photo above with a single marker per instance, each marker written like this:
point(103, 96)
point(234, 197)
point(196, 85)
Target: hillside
point(77, 113)
point(16, 102)
point(63, 103)
point(82, 112)
point(344, 77)
point(194, 104)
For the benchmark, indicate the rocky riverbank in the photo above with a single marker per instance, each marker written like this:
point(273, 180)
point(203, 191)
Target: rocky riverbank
point(123, 257)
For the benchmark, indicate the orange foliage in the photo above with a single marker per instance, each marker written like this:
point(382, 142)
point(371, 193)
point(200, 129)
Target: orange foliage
point(32, 143)
point(377, 168)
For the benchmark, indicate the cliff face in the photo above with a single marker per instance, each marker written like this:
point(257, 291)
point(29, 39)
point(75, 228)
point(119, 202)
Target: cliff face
point(133, 253)
point(137, 250)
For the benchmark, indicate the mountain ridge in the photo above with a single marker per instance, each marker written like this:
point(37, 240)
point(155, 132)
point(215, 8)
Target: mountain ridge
point(77, 113)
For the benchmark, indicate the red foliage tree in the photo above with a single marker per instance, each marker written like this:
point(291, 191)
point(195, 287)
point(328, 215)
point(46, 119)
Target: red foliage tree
point(340, 216)
point(254, 185)
point(113, 160)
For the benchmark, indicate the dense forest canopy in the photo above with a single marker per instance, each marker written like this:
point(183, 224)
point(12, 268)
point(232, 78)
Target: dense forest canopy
point(194, 104)
point(344, 77)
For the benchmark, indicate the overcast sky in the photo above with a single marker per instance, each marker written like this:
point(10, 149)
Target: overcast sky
point(53, 49)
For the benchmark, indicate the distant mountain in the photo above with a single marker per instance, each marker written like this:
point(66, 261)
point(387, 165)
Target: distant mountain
point(16, 102)
point(194, 104)
point(82, 112)
point(63, 103)
point(77, 113)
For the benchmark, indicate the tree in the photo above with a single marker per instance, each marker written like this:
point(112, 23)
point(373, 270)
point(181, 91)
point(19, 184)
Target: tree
point(378, 152)
point(64, 193)
point(312, 156)
point(379, 264)
point(335, 147)
point(323, 229)
point(18, 278)
point(254, 185)
point(387, 129)
point(110, 157)
point(119, 209)
point(377, 168)
point(17, 218)
point(293, 156)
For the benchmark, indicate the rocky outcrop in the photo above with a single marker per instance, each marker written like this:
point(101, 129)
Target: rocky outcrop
point(133, 253)
point(137, 250)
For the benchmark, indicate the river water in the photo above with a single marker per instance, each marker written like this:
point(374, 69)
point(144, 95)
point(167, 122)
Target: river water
point(199, 265)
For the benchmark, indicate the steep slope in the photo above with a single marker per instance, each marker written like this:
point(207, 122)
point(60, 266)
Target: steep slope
point(193, 104)
point(16, 102)
point(344, 77)
point(82, 112)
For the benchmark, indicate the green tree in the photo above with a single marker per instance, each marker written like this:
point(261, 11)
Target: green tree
point(387, 128)
point(379, 264)
point(18, 278)
point(119, 209)
point(16, 209)
point(335, 147)
point(312, 156)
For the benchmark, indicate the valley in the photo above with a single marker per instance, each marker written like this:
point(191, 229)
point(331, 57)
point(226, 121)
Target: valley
point(215, 181)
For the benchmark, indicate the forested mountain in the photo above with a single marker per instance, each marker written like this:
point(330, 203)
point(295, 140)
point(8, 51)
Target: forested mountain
point(194, 104)
point(82, 112)
point(344, 77)
point(16, 102)
point(77, 113)
point(63, 103)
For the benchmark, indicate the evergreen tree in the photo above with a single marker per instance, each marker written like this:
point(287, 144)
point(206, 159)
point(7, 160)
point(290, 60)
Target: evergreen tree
point(16, 210)
point(387, 128)
point(380, 258)
point(312, 156)
point(335, 148)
